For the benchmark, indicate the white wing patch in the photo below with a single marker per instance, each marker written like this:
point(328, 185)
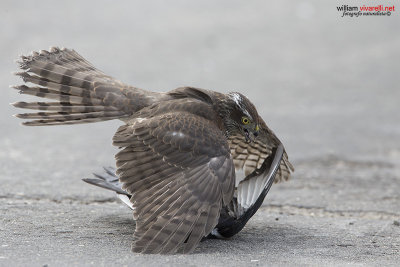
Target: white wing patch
point(126, 200)
point(139, 120)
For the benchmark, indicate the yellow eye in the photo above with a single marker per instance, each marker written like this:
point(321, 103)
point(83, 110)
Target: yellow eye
point(245, 120)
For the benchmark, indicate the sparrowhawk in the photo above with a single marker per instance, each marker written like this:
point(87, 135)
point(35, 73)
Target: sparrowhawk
point(180, 151)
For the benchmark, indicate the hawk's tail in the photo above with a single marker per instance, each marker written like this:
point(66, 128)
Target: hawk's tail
point(81, 92)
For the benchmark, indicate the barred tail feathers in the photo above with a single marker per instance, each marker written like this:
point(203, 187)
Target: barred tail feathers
point(81, 92)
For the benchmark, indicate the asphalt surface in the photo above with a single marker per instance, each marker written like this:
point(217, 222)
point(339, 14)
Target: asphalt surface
point(328, 86)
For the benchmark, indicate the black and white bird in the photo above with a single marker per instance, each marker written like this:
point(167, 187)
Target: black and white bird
point(181, 151)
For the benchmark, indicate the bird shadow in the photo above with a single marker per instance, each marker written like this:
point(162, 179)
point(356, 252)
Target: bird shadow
point(256, 239)
point(252, 239)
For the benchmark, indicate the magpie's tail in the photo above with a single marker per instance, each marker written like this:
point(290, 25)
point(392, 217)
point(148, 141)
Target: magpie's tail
point(109, 180)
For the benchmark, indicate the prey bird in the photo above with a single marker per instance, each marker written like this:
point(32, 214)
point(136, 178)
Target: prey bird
point(181, 152)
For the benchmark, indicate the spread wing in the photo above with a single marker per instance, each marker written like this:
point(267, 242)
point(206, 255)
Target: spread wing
point(264, 161)
point(236, 215)
point(179, 171)
point(250, 156)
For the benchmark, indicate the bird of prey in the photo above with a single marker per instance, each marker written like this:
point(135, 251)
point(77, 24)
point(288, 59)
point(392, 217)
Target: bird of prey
point(181, 152)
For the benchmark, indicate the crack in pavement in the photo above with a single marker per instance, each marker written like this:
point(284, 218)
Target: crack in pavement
point(288, 209)
point(61, 199)
point(323, 212)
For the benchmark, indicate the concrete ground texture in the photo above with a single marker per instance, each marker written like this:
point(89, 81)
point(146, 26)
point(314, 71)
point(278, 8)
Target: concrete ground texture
point(327, 85)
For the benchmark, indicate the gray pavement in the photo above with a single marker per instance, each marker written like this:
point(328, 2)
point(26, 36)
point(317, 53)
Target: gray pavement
point(328, 86)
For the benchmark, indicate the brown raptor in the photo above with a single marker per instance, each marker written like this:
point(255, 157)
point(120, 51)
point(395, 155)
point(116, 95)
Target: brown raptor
point(180, 150)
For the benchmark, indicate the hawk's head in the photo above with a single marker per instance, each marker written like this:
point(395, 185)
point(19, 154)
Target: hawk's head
point(241, 117)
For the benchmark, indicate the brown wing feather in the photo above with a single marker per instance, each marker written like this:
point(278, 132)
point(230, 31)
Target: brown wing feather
point(178, 168)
